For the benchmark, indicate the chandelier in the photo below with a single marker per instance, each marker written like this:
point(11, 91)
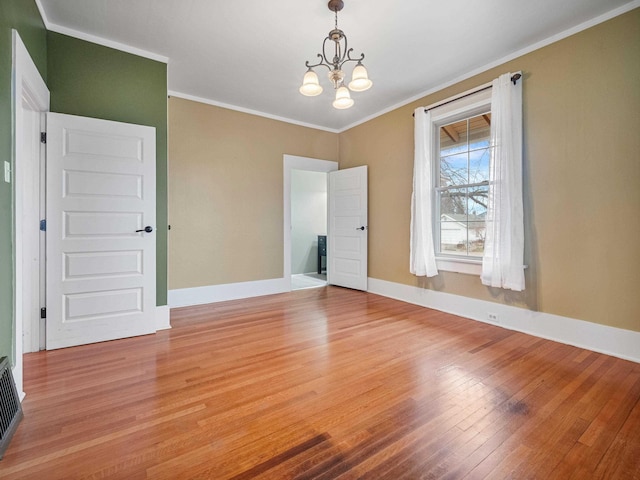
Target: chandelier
point(334, 56)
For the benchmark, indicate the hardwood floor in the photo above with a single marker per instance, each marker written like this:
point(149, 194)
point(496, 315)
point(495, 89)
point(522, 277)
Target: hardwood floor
point(327, 383)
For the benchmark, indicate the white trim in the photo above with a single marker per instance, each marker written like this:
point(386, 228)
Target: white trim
point(292, 162)
point(185, 297)
point(154, 56)
point(459, 96)
point(228, 106)
point(26, 82)
point(301, 275)
point(519, 53)
point(43, 14)
point(613, 341)
point(15, 370)
point(163, 317)
point(465, 105)
point(53, 27)
point(460, 265)
point(458, 107)
point(107, 43)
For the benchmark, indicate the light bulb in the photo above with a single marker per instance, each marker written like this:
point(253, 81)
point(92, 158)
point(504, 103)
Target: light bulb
point(310, 84)
point(360, 79)
point(343, 99)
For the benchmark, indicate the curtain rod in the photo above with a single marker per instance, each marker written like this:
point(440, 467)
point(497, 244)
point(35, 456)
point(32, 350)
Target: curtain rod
point(514, 78)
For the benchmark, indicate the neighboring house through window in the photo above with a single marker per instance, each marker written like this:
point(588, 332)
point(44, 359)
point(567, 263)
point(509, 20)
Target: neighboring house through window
point(463, 185)
point(461, 141)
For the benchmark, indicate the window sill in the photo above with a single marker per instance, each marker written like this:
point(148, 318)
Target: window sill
point(459, 265)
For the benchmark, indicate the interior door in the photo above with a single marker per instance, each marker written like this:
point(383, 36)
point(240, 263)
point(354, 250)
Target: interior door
point(347, 233)
point(101, 245)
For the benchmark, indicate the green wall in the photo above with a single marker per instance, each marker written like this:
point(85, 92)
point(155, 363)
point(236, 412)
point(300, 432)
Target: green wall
point(84, 79)
point(95, 81)
point(23, 16)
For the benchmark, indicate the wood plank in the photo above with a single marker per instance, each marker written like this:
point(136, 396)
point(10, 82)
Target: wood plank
point(326, 383)
point(451, 133)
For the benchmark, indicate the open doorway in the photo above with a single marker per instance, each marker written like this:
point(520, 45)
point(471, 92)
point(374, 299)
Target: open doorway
point(308, 229)
point(293, 163)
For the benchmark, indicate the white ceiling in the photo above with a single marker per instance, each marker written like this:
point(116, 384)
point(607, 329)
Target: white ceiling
point(250, 54)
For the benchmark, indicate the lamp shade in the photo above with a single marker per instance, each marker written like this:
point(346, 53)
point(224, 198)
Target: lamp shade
point(343, 99)
point(310, 84)
point(360, 79)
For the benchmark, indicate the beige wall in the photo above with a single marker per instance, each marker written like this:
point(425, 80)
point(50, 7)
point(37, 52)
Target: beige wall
point(581, 183)
point(582, 179)
point(225, 192)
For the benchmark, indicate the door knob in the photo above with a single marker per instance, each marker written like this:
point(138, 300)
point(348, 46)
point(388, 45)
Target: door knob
point(361, 228)
point(147, 229)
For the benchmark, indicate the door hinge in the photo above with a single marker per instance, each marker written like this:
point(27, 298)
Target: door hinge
point(43, 225)
point(43, 312)
point(43, 137)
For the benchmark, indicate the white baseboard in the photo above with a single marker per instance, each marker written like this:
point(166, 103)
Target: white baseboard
point(16, 371)
point(163, 318)
point(592, 336)
point(185, 297)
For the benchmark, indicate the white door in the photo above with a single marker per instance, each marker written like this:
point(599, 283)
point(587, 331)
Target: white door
point(347, 229)
point(100, 259)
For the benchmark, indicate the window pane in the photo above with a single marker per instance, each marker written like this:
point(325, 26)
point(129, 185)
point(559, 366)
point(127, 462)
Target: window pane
point(453, 138)
point(464, 160)
point(476, 234)
point(479, 165)
point(480, 131)
point(453, 170)
point(477, 202)
point(452, 149)
point(453, 221)
point(453, 204)
point(453, 236)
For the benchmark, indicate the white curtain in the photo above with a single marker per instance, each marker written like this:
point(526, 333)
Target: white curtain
point(423, 259)
point(503, 260)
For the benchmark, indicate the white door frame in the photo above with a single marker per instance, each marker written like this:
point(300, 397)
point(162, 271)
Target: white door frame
point(293, 162)
point(29, 87)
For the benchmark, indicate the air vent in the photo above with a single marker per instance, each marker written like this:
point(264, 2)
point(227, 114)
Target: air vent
point(10, 408)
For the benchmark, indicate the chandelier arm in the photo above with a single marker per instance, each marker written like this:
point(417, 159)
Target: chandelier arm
point(349, 59)
point(321, 63)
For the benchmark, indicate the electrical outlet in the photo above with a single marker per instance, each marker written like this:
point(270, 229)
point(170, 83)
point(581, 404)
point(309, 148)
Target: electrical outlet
point(493, 317)
point(7, 172)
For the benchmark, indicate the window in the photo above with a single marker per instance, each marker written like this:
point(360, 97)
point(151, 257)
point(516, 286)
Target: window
point(466, 204)
point(461, 134)
point(463, 185)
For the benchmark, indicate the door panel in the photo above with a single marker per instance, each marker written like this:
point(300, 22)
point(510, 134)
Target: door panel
point(101, 264)
point(100, 190)
point(348, 231)
point(94, 183)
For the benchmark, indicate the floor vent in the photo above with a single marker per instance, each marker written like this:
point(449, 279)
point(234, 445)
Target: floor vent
point(10, 408)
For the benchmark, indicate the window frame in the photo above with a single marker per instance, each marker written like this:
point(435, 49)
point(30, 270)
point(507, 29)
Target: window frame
point(456, 110)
